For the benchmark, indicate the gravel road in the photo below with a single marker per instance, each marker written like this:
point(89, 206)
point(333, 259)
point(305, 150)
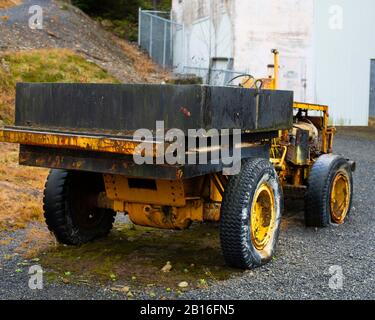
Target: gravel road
point(301, 269)
point(304, 257)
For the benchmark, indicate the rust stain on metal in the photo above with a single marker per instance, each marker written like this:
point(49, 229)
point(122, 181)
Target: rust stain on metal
point(179, 174)
point(185, 112)
point(72, 141)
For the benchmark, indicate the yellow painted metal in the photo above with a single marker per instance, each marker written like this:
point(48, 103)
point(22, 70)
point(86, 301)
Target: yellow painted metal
point(279, 162)
point(297, 173)
point(217, 187)
point(263, 216)
point(279, 150)
point(268, 83)
point(211, 212)
point(271, 83)
point(297, 177)
point(327, 132)
point(276, 67)
point(215, 194)
point(164, 207)
point(330, 134)
point(309, 106)
point(71, 141)
point(119, 206)
point(165, 217)
point(248, 83)
point(166, 193)
point(340, 198)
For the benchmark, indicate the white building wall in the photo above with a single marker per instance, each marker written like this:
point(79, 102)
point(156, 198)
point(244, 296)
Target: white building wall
point(208, 31)
point(247, 30)
point(284, 25)
point(343, 57)
point(319, 63)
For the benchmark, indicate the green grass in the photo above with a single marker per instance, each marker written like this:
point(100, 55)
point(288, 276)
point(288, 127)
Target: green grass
point(57, 65)
point(122, 28)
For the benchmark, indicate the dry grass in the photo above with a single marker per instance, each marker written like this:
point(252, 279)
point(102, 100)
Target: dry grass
point(143, 65)
point(36, 241)
point(7, 93)
point(9, 3)
point(21, 188)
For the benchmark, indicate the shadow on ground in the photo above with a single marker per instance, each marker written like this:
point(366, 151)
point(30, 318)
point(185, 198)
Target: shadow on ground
point(134, 255)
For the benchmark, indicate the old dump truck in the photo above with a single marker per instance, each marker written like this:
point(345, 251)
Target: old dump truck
point(85, 134)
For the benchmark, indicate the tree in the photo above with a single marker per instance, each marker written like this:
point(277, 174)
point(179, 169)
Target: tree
point(155, 4)
point(120, 9)
point(122, 13)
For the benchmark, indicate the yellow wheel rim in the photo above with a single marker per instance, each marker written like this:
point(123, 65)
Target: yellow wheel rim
point(340, 198)
point(263, 217)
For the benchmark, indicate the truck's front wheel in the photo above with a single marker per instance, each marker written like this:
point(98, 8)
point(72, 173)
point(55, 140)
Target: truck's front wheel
point(250, 215)
point(70, 207)
point(329, 194)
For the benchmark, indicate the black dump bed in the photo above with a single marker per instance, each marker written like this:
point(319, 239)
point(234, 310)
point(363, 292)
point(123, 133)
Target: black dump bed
point(124, 108)
point(89, 127)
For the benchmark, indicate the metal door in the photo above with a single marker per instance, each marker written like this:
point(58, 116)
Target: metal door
point(372, 90)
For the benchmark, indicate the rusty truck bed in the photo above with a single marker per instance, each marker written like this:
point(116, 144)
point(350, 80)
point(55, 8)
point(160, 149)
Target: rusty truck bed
point(90, 127)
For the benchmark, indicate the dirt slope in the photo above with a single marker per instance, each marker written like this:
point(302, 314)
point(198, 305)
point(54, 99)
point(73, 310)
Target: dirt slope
point(65, 26)
point(9, 3)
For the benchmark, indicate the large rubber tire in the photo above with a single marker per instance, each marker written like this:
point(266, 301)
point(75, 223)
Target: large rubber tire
point(70, 207)
point(318, 211)
point(236, 235)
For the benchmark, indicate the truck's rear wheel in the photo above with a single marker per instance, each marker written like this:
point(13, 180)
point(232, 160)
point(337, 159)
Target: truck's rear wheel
point(330, 191)
point(251, 215)
point(70, 207)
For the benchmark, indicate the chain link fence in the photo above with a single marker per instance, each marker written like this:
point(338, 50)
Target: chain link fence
point(164, 41)
point(156, 35)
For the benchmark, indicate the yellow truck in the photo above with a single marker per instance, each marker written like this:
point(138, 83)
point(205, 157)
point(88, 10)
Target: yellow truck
point(90, 136)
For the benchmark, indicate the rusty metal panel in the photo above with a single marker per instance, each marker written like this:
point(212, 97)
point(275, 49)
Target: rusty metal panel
point(299, 151)
point(58, 158)
point(70, 140)
point(164, 192)
point(124, 108)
